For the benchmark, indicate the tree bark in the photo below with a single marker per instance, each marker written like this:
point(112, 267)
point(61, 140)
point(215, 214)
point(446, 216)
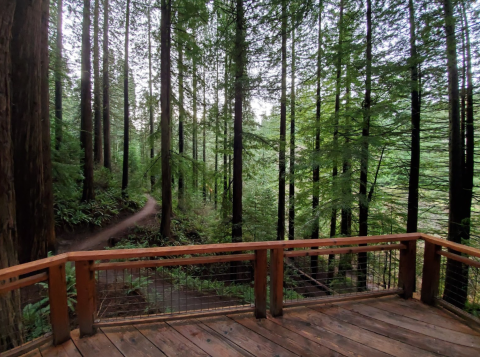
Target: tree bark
point(26, 114)
point(10, 311)
point(363, 200)
point(107, 160)
point(126, 110)
point(283, 127)
point(204, 148)
point(165, 228)
point(150, 100)
point(291, 189)
point(58, 78)
point(47, 155)
point(217, 119)
point(181, 118)
point(237, 129)
point(412, 213)
point(346, 223)
point(97, 149)
point(194, 138)
point(86, 108)
point(225, 136)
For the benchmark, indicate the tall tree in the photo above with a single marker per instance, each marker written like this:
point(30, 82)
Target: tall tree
point(181, 118)
point(58, 77)
point(283, 127)
point(204, 147)
point(47, 155)
point(194, 122)
point(239, 58)
point(126, 110)
point(412, 213)
point(165, 228)
point(86, 108)
point(97, 110)
point(10, 312)
point(291, 189)
point(456, 278)
point(225, 140)
point(363, 199)
point(26, 114)
point(150, 99)
point(107, 160)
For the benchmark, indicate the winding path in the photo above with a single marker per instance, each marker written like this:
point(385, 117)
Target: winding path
point(102, 237)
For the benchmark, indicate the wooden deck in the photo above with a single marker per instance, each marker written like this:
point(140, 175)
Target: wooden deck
point(373, 327)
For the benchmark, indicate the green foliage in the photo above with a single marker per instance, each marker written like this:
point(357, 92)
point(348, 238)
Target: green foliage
point(137, 285)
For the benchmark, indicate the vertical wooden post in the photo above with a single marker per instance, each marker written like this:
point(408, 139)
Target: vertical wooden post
point(431, 273)
point(260, 269)
point(57, 294)
point(407, 276)
point(276, 282)
point(86, 294)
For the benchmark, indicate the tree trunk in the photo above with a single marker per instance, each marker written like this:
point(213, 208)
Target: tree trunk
point(58, 78)
point(10, 310)
point(47, 154)
point(107, 159)
point(126, 113)
point(181, 117)
point(150, 100)
point(237, 129)
point(165, 118)
point(316, 155)
point(363, 200)
point(412, 213)
point(346, 223)
point(283, 126)
point(291, 189)
point(194, 139)
point(204, 148)
point(217, 119)
point(225, 135)
point(97, 149)
point(456, 278)
point(26, 114)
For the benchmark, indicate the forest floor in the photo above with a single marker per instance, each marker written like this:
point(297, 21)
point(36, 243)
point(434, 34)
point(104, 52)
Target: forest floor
point(87, 240)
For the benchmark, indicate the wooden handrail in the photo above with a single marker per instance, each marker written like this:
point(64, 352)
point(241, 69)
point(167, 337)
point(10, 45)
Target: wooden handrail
point(313, 252)
point(459, 258)
point(15, 271)
point(474, 252)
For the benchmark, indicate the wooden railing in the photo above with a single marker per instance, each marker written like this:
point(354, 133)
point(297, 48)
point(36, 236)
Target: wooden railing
point(52, 271)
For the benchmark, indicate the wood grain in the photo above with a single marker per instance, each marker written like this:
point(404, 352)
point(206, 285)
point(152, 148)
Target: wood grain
point(260, 283)
point(57, 295)
point(86, 297)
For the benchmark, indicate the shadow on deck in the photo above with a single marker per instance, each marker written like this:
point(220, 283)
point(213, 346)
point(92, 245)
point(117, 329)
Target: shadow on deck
point(372, 327)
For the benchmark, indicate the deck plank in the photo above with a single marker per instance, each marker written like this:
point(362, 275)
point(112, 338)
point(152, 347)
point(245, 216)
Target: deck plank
point(169, 341)
point(398, 333)
point(67, 349)
point(245, 338)
point(130, 342)
point(379, 342)
point(33, 353)
point(417, 312)
point(206, 339)
point(283, 337)
point(95, 346)
point(415, 325)
point(325, 337)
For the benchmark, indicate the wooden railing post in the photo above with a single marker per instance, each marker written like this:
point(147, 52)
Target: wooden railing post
point(431, 273)
point(86, 294)
point(276, 282)
point(407, 276)
point(57, 294)
point(260, 281)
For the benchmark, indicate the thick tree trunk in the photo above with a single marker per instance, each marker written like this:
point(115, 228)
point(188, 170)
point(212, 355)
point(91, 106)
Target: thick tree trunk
point(217, 119)
point(86, 108)
point(204, 148)
point(126, 110)
point(316, 155)
point(412, 213)
point(225, 136)
point(456, 278)
point(26, 114)
point(237, 129)
point(194, 136)
point(58, 78)
point(181, 118)
point(47, 155)
point(363, 200)
point(283, 127)
point(165, 78)
point(150, 100)
point(10, 312)
point(107, 159)
point(97, 110)
point(291, 189)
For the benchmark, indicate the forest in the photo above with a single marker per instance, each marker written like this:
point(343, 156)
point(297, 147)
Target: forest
point(244, 120)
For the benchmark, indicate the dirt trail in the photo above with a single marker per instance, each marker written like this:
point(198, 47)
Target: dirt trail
point(99, 240)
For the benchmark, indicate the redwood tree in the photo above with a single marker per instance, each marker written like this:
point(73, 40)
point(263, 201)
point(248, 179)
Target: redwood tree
point(126, 117)
point(58, 78)
point(107, 163)
point(97, 110)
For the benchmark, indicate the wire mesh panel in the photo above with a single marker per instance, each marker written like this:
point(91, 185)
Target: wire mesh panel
point(24, 315)
point(460, 285)
point(172, 290)
point(337, 275)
